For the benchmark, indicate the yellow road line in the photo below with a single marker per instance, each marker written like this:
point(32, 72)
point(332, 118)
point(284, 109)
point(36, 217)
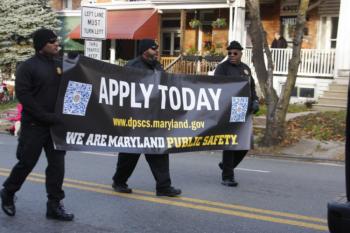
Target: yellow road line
point(175, 202)
point(201, 201)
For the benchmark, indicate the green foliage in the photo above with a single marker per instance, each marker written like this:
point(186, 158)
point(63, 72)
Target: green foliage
point(219, 23)
point(195, 23)
point(8, 105)
point(19, 19)
point(214, 50)
point(192, 51)
point(292, 108)
point(218, 45)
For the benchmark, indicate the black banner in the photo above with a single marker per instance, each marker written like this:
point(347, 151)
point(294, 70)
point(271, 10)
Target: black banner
point(105, 107)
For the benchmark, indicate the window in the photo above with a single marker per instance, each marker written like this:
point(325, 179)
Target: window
point(334, 31)
point(170, 43)
point(288, 28)
point(304, 92)
point(170, 36)
point(307, 92)
point(67, 4)
point(328, 32)
point(171, 23)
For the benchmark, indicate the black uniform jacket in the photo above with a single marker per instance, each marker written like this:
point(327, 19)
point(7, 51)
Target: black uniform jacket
point(140, 62)
point(240, 70)
point(36, 86)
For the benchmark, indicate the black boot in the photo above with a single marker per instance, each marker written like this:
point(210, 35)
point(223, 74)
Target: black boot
point(7, 203)
point(169, 192)
point(121, 188)
point(229, 182)
point(55, 210)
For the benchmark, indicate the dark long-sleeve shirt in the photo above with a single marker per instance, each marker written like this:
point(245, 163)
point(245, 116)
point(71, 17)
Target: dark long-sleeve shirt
point(36, 86)
point(141, 63)
point(237, 70)
point(281, 43)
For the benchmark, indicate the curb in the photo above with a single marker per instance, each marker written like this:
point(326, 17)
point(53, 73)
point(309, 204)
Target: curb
point(297, 157)
point(282, 156)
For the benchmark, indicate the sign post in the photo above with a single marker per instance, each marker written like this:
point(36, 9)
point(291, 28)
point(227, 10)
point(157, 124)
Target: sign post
point(93, 29)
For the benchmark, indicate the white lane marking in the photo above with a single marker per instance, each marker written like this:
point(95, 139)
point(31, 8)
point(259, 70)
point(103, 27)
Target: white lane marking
point(252, 170)
point(103, 154)
point(332, 164)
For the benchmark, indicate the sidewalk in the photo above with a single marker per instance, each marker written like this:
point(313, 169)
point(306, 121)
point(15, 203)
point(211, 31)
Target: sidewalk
point(305, 149)
point(260, 121)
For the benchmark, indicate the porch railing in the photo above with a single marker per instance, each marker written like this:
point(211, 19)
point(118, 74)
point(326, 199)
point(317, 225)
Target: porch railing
point(166, 61)
point(314, 62)
point(196, 65)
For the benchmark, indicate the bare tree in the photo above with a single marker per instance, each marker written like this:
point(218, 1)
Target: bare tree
point(276, 106)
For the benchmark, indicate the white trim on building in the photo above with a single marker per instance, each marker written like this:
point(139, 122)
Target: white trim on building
point(69, 13)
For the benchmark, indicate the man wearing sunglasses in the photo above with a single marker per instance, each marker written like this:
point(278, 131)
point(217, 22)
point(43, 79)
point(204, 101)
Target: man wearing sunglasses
point(159, 163)
point(233, 67)
point(37, 83)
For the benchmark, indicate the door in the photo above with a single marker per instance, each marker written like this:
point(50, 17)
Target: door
point(171, 43)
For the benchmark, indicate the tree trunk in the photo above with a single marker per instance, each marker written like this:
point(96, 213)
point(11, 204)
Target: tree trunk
point(278, 126)
point(265, 76)
point(276, 107)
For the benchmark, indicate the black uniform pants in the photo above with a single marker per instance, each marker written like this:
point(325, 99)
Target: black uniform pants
point(159, 164)
point(230, 160)
point(30, 144)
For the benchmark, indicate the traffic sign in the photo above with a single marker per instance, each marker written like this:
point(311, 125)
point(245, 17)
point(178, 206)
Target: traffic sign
point(93, 23)
point(93, 49)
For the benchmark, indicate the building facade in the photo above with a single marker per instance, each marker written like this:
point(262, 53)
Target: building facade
point(69, 14)
point(204, 27)
point(176, 35)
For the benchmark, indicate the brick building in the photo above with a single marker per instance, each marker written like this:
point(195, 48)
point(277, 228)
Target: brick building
point(173, 24)
point(60, 5)
point(69, 14)
point(177, 36)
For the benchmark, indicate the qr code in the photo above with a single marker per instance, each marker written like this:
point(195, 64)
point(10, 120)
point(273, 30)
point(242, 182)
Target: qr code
point(239, 109)
point(76, 98)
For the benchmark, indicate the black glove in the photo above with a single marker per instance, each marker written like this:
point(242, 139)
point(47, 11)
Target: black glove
point(254, 107)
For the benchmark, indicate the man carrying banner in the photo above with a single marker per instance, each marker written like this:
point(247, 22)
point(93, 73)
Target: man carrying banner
point(37, 83)
point(159, 163)
point(235, 68)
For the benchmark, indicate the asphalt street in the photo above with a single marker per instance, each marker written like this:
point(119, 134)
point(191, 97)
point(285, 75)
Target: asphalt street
point(273, 196)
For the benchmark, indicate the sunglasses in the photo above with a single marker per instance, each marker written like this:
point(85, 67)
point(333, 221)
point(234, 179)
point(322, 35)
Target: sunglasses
point(154, 47)
point(232, 53)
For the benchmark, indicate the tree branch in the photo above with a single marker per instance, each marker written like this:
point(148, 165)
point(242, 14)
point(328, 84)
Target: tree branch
point(314, 5)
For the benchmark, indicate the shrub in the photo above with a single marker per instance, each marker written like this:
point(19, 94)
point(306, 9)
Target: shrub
point(195, 23)
point(219, 23)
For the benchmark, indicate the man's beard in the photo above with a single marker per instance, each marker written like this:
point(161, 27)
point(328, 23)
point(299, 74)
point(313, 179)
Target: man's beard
point(152, 59)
